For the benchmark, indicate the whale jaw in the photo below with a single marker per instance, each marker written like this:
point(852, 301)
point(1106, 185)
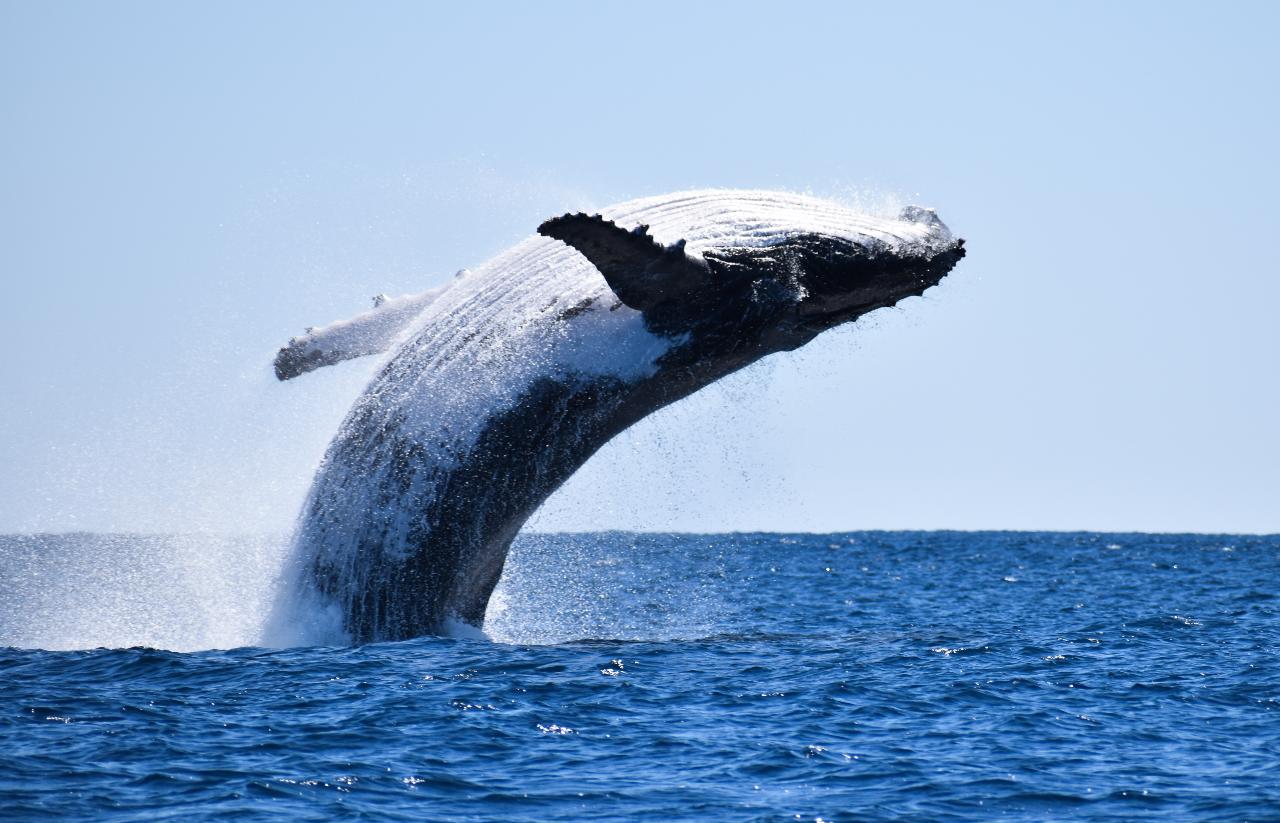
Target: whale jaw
point(845, 282)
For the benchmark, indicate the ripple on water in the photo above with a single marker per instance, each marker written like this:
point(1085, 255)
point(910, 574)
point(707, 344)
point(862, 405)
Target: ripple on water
point(877, 675)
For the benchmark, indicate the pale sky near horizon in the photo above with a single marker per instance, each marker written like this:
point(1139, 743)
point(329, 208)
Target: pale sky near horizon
point(184, 187)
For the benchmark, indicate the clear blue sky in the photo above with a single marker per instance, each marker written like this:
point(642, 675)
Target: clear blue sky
point(183, 187)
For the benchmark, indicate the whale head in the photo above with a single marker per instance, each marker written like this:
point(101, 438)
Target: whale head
point(751, 283)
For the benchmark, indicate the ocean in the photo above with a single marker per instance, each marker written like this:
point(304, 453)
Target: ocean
point(879, 675)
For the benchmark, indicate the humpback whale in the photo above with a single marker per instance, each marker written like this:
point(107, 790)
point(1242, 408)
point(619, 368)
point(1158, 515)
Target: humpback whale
point(499, 385)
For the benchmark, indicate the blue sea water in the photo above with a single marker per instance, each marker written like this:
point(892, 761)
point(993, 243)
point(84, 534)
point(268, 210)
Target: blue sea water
point(930, 676)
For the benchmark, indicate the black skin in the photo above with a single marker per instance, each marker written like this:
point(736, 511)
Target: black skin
point(735, 306)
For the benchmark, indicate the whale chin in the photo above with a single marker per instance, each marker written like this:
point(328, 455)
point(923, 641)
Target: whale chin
point(500, 385)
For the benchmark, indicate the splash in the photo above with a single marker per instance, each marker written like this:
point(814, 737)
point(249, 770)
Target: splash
point(177, 592)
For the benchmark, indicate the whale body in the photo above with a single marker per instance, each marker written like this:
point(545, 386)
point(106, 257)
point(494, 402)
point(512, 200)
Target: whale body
point(498, 386)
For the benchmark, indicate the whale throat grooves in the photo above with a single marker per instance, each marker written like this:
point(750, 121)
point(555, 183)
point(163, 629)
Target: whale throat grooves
point(497, 387)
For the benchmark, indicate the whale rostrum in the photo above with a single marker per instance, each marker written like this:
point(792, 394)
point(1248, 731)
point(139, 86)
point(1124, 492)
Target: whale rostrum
point(498, 386)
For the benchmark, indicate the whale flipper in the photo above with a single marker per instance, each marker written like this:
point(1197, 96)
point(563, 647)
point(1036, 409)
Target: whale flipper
point(371, 332)
point(640, 270)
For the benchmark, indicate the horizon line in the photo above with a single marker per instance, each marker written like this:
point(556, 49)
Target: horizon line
point(681, 532)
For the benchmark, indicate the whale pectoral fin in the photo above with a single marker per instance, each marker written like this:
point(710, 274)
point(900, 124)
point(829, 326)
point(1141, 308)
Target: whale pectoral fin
point(640, 270)
point(372, 332)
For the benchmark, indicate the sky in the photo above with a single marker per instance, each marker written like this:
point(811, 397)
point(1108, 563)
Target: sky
point(183, 187)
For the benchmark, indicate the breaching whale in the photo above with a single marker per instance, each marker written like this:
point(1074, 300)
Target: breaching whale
point(498, 386)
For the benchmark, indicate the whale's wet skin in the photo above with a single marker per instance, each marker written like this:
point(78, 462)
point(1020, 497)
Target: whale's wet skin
point(499, 386)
